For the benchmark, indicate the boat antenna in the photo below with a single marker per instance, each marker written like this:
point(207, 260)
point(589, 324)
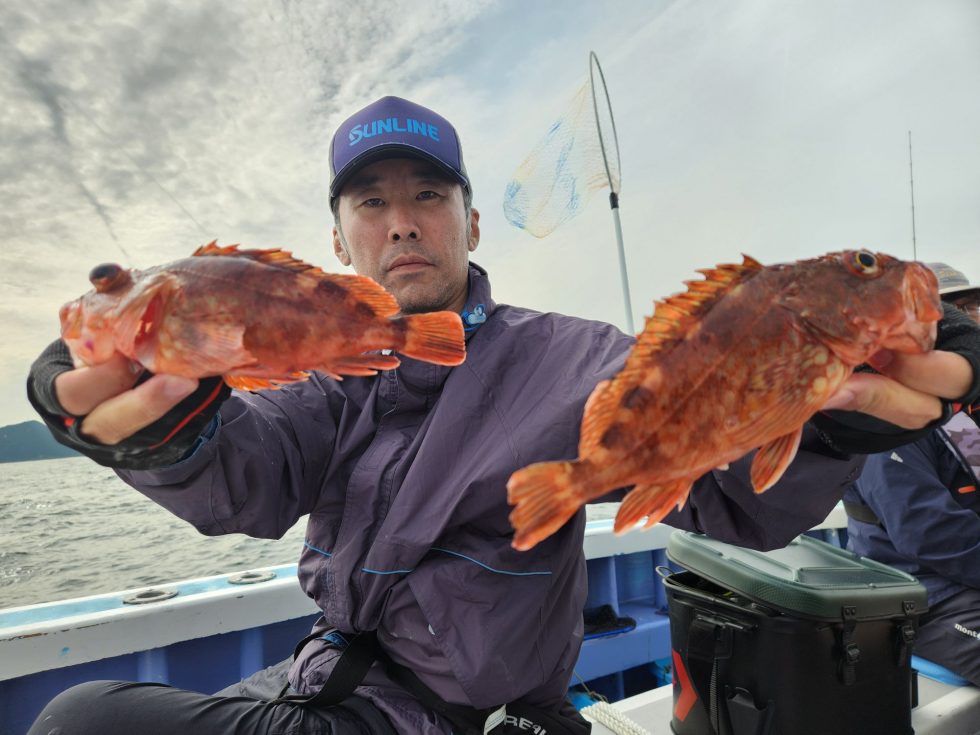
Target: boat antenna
point(912, 192)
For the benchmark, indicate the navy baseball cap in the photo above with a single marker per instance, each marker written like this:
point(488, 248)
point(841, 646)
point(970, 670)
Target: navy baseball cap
point(393, 127)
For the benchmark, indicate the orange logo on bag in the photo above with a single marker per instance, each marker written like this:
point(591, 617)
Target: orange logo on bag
point(687, 697)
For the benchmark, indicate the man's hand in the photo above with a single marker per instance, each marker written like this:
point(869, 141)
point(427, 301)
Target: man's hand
point(908, 390)
point(112, 407)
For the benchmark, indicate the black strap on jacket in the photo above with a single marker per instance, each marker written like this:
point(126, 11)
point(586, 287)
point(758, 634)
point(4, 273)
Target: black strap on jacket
point(356, 658)
point(466, 719)
point(473, 721)
point(360, 651)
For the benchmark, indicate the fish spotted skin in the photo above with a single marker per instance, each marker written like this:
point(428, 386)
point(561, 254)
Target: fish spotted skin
point(739, 361)
point(260, 318)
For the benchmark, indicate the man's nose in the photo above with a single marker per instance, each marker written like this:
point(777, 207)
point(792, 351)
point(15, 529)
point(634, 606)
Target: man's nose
point(403, 226)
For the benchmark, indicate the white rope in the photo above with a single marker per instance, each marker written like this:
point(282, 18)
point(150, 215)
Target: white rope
point(605, 714)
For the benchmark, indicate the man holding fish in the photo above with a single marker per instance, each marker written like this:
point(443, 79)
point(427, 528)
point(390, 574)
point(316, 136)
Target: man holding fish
point(433, 620)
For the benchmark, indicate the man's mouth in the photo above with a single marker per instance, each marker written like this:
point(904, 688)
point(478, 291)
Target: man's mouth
point(408, 264)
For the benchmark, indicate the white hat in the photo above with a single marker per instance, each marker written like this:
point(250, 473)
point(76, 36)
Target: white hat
point(951, 281)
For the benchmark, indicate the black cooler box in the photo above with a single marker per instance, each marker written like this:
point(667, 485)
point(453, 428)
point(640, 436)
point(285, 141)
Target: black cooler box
point(805, 640)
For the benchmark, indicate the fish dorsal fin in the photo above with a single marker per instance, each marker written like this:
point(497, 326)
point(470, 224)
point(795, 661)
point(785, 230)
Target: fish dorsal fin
point(671, 321)
point(673, 316)
point(364, 289)
point(276, 257)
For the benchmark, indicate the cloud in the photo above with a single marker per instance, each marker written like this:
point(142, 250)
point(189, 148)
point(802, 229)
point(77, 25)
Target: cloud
point(135, 131)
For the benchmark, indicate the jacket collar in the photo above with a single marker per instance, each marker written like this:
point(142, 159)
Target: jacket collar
point(418, 378)
point(479, 305)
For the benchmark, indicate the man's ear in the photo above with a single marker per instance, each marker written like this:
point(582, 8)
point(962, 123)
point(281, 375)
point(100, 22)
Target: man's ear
point(338, 247)
point(474, 230)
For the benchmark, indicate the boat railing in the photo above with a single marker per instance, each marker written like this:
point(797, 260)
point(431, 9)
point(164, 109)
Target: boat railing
point(204, 634)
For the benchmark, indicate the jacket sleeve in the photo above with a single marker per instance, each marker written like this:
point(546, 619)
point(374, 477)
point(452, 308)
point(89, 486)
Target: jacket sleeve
point(723, 504)
point(919, 513)
point(258, 468)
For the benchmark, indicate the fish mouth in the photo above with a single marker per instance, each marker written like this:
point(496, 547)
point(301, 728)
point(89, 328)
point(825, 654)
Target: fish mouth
point(71, 320)
point(921, 290)
point(923, 309)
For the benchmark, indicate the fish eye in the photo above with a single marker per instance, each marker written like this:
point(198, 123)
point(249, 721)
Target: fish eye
point(864, 263)
point(107, 276)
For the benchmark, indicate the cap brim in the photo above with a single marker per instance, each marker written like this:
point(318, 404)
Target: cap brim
point(392, 150)
point(958, 289)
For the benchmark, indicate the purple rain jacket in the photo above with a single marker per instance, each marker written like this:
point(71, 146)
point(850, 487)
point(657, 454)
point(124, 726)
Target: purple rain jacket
point(403, 476)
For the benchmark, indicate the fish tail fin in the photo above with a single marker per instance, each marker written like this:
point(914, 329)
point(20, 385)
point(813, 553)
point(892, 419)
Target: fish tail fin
point(545, 496)
point(652, 502)
point(437, 337)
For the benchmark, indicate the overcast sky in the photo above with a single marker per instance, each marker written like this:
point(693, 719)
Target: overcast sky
point(135, 131)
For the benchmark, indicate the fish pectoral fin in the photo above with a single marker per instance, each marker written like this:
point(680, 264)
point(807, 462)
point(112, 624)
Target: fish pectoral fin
point(361, 364)
point(652, 502)
point(243, 382)
point(252, 379)
point(771, 461)
point(139, 322)
point(600, 410)
point(545, 496)
point(216, 347)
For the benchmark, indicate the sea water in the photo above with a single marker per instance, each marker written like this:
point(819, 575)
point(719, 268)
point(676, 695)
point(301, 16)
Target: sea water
point(70, 528)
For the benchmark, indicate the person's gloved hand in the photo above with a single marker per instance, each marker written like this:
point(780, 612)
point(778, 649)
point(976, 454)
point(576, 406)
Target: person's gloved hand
point(899, 398)
point(118, 414)
point(908, 397)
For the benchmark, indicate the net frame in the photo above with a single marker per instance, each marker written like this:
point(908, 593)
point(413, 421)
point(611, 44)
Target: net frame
point(614, 187)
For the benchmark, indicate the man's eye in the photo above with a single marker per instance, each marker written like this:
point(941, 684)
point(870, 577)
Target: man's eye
point(428, 194)
point(373, 202)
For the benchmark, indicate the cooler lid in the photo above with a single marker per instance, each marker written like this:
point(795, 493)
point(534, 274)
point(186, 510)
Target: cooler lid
point(808, 577)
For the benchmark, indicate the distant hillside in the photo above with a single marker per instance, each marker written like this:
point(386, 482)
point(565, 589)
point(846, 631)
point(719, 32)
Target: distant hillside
point(30, 440)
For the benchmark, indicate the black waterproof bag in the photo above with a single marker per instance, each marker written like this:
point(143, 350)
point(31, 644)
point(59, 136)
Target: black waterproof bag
point(806, 640)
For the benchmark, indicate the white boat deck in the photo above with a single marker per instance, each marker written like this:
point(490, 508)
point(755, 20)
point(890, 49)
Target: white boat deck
point(942, 710)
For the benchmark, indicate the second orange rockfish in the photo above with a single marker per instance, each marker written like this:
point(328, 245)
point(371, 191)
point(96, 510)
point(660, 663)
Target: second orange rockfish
point(259, 318)
point(740, 361)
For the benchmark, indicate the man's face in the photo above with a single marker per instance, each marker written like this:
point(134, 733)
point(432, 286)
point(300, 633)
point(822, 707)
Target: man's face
point(968, 303)
point(404, 225)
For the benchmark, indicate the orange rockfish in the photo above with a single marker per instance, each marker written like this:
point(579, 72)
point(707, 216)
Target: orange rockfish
point(259, 318)
point(739, 361)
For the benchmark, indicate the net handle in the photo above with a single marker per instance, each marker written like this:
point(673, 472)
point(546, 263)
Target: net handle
point(593, 65)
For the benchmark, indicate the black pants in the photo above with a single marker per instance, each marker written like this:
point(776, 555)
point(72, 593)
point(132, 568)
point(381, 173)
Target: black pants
point(949, 635)
point(125, 708)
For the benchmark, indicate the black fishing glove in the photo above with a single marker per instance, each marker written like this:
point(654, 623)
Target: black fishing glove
point(852, 432)
point(162, 443)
